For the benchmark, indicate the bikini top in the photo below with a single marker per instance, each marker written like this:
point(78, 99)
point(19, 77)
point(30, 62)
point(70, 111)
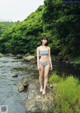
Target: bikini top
point(43, 52)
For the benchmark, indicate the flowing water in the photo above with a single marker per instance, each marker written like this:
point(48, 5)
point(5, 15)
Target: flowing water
point(9, 94)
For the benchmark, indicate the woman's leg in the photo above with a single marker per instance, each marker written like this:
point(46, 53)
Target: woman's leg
point(41, 73)
point(46, 72)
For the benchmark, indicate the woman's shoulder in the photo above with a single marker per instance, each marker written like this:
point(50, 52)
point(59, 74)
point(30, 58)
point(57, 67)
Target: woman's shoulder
point(38, 47)
point(48, 47)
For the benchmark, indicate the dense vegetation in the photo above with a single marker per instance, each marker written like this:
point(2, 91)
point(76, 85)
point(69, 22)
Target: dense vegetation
point(4, 26)
point(66, 93)
point(60, 22)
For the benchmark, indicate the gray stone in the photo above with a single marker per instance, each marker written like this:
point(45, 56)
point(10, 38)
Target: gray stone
point(15, 75)
point(20, 88)
point(40, 103)
point(28, 58)
point(23, 83)
point(19, 56)
point(36, 102)
point(9, 54)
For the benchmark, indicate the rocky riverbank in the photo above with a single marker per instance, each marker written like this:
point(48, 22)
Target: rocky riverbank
point(75, 62)
point(36, 102)
point(19, 81)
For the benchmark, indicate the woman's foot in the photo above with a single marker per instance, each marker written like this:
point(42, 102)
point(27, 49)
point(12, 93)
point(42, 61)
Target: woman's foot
point(43, 92)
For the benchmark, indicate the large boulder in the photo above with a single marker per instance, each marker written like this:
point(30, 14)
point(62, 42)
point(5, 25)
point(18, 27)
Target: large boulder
point(19, 56)
point(40, 103)
point(23, 83)
point(29, 58)
point(36, 102)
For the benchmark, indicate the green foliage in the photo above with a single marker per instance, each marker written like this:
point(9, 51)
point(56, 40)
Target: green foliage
point(1, 55)
point(62, 21)
point(67, 94)
point(23, 36)
point(75, 61)
point(4, 26)
point(54, 78)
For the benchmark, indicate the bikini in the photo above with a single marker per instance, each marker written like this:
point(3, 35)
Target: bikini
point(44, 53)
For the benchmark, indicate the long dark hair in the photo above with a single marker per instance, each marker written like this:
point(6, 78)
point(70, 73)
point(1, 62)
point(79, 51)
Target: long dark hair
point(45, 38)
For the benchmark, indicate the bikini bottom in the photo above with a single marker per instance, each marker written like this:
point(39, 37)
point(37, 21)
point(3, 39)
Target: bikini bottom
point(44, 63)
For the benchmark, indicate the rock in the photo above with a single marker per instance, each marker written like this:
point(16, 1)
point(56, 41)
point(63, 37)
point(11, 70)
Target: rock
point(26, 84)
point(67, 62)
point(9, 54)
point(23, 83)
point(36, 102)
point(29, 58)
point(15, 75)
point(51, 85)
point(27, 54)
point(19, 56)
point(40, 104)
point(20, 88)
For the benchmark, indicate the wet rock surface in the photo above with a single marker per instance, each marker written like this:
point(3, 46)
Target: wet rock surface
point(19, 56)
point(23, 83)
point(36, 102)
point(29, 58)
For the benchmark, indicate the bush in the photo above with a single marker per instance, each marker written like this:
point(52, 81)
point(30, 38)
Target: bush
point(1, 55)
point(67, 95)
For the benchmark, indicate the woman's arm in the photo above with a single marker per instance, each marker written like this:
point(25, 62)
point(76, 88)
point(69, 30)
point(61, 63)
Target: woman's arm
point(50, 57)
point(37, 51)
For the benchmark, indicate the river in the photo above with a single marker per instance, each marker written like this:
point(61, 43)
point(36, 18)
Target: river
point(9, 94)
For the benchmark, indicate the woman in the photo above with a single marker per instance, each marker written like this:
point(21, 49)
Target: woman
point(44, 63)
